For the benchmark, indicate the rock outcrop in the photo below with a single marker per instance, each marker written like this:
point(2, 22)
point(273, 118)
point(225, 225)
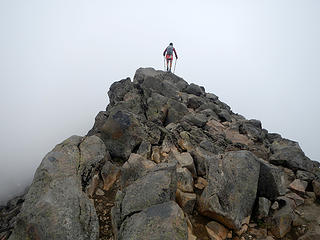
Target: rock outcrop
point(166, 160)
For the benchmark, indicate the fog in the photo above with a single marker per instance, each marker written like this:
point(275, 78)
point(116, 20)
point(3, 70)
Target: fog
point(59, 58)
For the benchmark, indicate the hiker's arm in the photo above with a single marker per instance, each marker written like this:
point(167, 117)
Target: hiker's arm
point(164, 53)
point(175, 53)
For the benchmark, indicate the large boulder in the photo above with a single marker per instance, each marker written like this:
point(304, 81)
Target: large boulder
point(158, 222)
point(154, 188)
point(271, 181)
point(231, 192)
point(122, 132)
point(289, 154)
point(55, 206)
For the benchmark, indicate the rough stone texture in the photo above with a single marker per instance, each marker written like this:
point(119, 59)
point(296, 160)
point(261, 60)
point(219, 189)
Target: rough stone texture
point(216, 231)
point(298, 186)
point(158, 222)
point(281, 222)
point(263, 207)
point(271, 181)
point(201, 157)
point(194, 89)
point(55, 206)
point(289, 154)
point(305, 176)
point(230, 195)
point(122, 132)
point(316, 188)
point(186, 201)
point(186, 160)
point(110, 173)
point(136, 166)
point(154, 188)
point(184, 180)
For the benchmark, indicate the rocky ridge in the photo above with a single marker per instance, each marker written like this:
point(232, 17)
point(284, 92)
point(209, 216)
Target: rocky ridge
point(167, 160)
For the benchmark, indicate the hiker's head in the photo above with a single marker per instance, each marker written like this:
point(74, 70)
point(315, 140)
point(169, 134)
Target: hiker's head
point(171, 44)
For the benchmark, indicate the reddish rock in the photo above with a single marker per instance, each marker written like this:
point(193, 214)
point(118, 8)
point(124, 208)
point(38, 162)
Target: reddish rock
point(298, 186)
point(201, 183)
point(216, 231)
point(186, 201)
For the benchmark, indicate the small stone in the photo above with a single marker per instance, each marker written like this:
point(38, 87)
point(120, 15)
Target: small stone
point(263, 207)
point(201, 183)
point(275, 205)
point(155, 154)
point(216, 231)
point(99, 192)
point(296, 198)
point(186, 160)
point(243, 229)
point(186, 201)
point(298, 186)
point(184, 180)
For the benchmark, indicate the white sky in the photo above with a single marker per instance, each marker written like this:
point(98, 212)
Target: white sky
point(58, 59)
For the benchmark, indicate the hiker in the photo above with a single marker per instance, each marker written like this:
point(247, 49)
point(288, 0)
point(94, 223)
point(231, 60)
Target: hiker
point(169, 56)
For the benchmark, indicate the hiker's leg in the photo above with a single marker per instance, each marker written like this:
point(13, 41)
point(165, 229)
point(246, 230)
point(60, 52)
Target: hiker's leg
point(170, 64)
point(167, 64)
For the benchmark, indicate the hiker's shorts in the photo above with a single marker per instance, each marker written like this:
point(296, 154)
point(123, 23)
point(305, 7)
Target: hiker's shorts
point(169, 57)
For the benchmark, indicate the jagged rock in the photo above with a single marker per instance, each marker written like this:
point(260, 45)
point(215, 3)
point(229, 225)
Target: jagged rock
point(110, 173)
point(271, 181)
point(263, 207)
point(119, 89)
point(231, 192)
point(196, 119)
point(176, 111)
point(93, 184)
point(305, 176)
point(212, 96)
point(252, 128)
point(55, 206)
point(312, 235)
point(136, 167)
point(201, 157)
point(201, 183)
point(299, 186)
point(194, 101)
point(144, 149)
point(296, 198)
point(224, 116)
point(185, 160)
point(186, 201)
point(281, 222)
point(289, 154)
point(316, 188)
point(151, 189)
point(184, 180)
point(157, 107)
point(194, 89)
point(162, 221)
point(216, 231)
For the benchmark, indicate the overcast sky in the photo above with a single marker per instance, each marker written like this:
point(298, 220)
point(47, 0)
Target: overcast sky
point(59, 57)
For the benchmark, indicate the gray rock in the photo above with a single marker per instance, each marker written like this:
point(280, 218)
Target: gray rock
point(186, 201)
point(194, 89)
point(145, 149)
point(184, 180)
point(211, 96)
point(201, 157)
point(122, 132)
point(224, 116)
point(55, 206)
point(136, 167)
point(263, 207)
point(316, 188)
point(289, 154)
point(231, 192)
point(271, 181)
point(119, 89)
point(158, 222)
point(196, 119)
point(194, 101)
point(252, 128)
point(185, 160)
point(154, 188)
point(281, 222)
point(157, 107)
point(305, 176)
point(176, 111)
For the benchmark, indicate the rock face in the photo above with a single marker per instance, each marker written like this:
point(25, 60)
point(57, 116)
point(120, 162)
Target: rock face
point(166, 160)
point(231, 193)
point(55, 206)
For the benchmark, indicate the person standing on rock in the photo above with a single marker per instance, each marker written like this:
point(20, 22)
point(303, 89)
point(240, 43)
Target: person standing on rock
point(168, 54)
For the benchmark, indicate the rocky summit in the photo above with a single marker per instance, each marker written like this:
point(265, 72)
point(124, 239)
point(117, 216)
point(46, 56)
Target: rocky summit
point(166, 160)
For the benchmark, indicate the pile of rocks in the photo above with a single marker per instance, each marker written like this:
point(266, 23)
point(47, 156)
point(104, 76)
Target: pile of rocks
point(181, 155)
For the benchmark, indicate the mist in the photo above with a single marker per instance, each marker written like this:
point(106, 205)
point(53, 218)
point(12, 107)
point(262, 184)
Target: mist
point(59, 58)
